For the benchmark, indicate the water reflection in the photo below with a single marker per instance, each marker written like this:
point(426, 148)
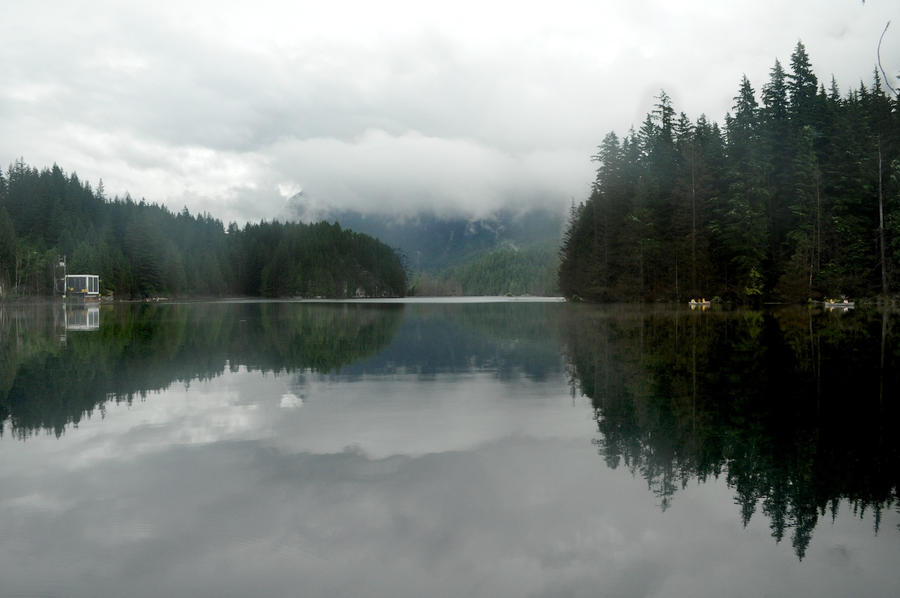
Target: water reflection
point(795, 408)
point(50, 379)
point(410, 450)
point(80, 316)
point(454, 338)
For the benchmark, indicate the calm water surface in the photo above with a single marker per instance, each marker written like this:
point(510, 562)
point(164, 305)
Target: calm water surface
point(442, 449)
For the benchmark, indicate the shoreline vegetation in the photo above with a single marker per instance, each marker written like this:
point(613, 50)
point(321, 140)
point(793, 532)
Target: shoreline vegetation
point(143, 250)
point(796, 198)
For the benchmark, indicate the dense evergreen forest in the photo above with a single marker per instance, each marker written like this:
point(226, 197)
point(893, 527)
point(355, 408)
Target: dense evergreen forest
point(798, 197)
point(144, 250)
point(507, 271)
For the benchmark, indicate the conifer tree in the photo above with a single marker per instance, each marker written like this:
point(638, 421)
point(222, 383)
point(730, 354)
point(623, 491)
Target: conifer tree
point(802, 86)
point(798, 197)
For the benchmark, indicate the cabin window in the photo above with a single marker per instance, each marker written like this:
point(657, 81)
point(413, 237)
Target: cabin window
point(82, 284)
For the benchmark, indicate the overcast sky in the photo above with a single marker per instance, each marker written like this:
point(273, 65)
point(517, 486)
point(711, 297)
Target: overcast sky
point(231, 108)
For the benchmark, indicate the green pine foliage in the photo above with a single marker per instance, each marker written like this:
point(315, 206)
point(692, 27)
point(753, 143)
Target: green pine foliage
point(509, 271)
point(512, 271)
point(144, 250)
point(781, 204)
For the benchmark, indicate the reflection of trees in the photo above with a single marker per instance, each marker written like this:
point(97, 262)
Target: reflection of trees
point(141, 348)
point(146, 347)
point(789, 405)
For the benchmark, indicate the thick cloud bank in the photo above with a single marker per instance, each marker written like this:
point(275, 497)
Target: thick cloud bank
point(391, 106)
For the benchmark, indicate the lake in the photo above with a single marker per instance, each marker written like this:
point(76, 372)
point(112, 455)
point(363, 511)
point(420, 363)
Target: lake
point(447, 448)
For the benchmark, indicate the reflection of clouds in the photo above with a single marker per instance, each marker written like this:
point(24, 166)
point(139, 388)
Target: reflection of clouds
point(518, 517)
point(202, 412)
point(290, 401)
point(38, 502)
point(381, 416)
point(406, 415)
point(205, 413)
point(217, 490)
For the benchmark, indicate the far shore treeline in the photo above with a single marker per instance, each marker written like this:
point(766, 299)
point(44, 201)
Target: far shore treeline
point(797, 198)
point(141, 249)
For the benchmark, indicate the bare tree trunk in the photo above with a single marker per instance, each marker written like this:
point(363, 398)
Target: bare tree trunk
point(884, 77)
point(884, 283)
point(809, 286)
point(693, 227)
point(818, 264)
point(677, 296)
point(642, 269)
point(605, 250)
point(884, 330)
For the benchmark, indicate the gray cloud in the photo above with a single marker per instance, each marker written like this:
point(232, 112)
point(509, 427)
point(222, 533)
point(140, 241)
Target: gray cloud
point(214, 105)
point(443, 175)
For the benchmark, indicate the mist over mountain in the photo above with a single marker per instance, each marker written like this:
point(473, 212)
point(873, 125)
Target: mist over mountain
point(510, 251)
point(432, 243)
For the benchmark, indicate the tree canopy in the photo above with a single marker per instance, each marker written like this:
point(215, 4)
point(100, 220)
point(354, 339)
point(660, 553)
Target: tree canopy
point(796, 197)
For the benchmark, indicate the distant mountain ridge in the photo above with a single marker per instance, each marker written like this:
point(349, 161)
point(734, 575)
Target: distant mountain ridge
point(432, 243)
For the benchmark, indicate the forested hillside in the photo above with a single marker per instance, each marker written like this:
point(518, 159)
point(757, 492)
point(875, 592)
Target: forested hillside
point(508, 271)
point(508, 251)
point(142, 249)
point(797, 197)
